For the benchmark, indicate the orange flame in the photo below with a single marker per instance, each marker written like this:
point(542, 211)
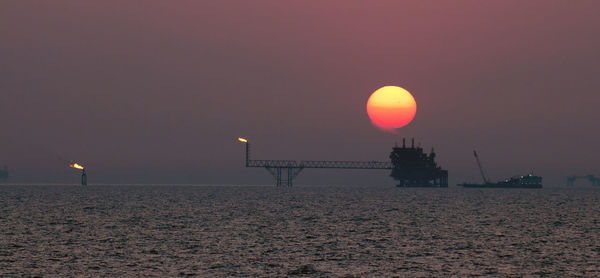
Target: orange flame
point(242, 140)
point(76, 166)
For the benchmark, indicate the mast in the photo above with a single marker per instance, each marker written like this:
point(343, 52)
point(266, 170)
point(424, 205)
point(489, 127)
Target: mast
point(485, 180)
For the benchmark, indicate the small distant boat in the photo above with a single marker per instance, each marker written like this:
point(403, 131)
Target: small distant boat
point(527, 181)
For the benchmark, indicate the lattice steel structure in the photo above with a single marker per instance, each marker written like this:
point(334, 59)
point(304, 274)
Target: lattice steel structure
point(284, 171)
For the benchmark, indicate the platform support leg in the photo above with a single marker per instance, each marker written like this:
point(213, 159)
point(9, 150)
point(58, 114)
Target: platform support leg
point(284, 179)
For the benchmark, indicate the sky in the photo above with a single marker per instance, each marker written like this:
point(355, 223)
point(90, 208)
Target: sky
point(159, 91)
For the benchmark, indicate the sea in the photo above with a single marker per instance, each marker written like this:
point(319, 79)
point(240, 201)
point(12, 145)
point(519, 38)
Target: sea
point(303, 231)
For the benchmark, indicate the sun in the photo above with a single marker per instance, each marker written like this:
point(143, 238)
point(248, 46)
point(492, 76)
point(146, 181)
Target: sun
point(391, 107)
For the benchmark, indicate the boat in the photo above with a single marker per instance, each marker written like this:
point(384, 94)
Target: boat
point(526, 181)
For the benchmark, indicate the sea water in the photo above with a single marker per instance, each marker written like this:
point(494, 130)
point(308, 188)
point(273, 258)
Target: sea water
point(321, 231)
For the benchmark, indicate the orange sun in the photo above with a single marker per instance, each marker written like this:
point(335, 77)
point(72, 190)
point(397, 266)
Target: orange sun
point(391, 107)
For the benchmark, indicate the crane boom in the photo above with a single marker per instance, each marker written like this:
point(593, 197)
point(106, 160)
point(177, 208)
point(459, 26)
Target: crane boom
point(485, 180)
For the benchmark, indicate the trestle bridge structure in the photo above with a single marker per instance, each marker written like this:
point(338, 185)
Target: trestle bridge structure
point(285, 171)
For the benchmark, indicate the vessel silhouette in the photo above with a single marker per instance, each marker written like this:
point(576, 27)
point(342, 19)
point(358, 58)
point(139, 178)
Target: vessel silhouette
point(526, 181)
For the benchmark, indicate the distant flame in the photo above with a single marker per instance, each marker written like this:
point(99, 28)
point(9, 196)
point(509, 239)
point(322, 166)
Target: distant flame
point(76, 166)
point(242, 140)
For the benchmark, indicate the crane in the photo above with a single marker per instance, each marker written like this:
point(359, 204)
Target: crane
point(485, 180)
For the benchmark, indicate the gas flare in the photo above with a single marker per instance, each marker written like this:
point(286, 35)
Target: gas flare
point(76, 166)
point(242, 140)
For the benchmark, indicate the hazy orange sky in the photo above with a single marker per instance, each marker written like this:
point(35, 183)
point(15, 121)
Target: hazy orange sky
point(159, 91)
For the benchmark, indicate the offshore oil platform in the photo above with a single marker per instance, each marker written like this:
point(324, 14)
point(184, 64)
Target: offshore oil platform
point(4, 174)
point(409, 165)
point(591, 178)
point(414, 168)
